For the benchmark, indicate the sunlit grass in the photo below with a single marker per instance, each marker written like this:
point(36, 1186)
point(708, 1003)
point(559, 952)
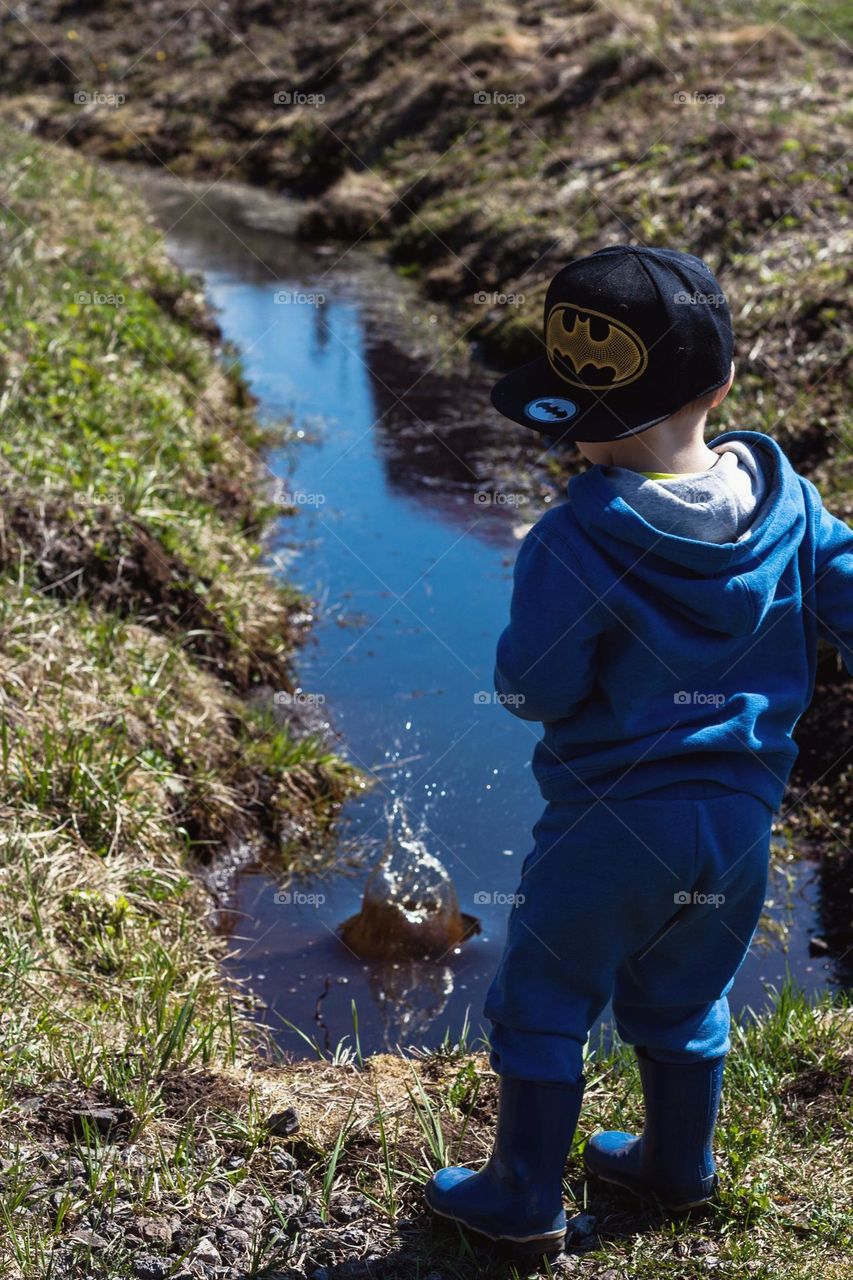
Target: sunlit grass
point(135, 613)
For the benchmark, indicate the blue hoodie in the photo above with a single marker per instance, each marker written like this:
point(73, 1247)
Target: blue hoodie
point(651, 657)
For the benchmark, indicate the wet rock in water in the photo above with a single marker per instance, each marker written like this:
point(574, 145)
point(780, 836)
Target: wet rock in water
point(410, 906)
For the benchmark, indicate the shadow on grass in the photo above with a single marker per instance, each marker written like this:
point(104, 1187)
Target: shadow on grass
point(433, 1249)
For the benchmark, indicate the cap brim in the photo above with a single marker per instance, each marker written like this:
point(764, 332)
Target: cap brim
point(575, 413)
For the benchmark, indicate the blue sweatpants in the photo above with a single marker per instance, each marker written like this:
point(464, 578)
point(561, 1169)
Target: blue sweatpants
point(652, 901)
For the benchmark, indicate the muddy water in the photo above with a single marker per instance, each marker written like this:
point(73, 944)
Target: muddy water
point(412, 573)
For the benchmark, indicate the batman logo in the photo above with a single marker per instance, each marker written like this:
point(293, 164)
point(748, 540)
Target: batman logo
point(612, 359)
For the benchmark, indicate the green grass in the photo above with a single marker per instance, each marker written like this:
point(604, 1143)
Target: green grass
point(784, 1139)
point(135, 614)
point(783, 1210)
point(821, 22)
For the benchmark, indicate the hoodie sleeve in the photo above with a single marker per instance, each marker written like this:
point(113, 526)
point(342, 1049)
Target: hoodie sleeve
point(546, 656)
point(834, 584)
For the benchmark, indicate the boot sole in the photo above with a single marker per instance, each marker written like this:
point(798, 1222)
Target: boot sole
point(643, 1194)
point(552, 1241)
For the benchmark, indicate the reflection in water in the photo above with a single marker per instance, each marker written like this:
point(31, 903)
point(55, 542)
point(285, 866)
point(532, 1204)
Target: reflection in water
point(410, 907)
point(410, 995)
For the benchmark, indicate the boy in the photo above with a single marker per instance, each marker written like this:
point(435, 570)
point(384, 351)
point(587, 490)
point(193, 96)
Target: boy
point(664, 628)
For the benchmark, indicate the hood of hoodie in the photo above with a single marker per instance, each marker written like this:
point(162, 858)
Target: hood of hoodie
point(717, 505)
point(725, 587)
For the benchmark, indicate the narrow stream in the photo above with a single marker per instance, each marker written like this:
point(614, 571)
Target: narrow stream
point(412, 572)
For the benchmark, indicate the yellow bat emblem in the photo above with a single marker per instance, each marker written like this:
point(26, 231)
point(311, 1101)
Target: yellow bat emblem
point(611, 361)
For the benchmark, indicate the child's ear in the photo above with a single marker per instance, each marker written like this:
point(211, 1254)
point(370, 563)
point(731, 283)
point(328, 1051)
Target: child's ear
point(721, 392)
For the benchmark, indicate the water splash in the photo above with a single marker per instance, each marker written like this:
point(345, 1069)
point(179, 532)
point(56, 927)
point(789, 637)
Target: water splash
point(410, 907)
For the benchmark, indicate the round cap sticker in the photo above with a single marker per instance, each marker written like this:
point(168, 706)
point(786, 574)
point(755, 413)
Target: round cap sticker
point(551, 409)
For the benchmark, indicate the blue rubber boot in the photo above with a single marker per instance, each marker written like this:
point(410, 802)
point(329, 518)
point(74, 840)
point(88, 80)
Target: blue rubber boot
point(517, 1197)
point(673, 1160)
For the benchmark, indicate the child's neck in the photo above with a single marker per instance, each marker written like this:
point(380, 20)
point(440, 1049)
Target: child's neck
point(669, 450)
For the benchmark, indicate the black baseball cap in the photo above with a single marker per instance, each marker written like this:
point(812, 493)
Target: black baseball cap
point(631, 335)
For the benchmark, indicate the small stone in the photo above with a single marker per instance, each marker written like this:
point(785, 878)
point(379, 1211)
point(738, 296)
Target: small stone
point(207, 1252)
point(181, 1240)
point(310, 1218)
point(582, 1224)
point(327, 1240)
point(85, 1235)
point(57, 1200)
point(282, 1159)
point(321, 1273)
point(101, 1119)
point(352, 1238)
point(241, 1213)
point(237, 1234)
point(283, 1123)
point(347, 1208)
point(146, 1266)
point(288, 1206)
point(156, 1232)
